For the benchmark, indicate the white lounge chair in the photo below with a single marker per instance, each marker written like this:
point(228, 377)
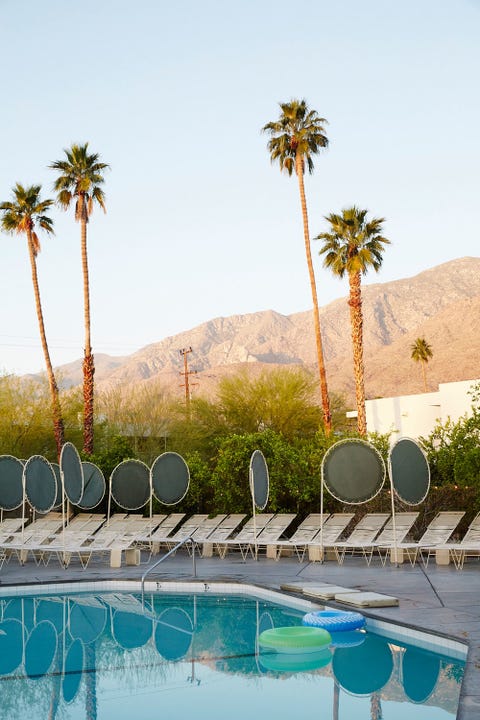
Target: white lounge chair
point(469, 546)
point(393, 533)
point(437, 534)
point(303, 535)
point(40, 532)
point(186, 529)
point(361, 537)
point(152, 539)
point(204, 530)
point(332, 530)
point(271, 534)
point(222, 532)
point(246, 536)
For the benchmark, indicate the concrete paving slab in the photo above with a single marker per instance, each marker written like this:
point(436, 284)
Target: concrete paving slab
point(366, 599)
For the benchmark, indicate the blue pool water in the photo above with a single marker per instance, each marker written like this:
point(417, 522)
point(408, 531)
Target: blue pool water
point(197, 656)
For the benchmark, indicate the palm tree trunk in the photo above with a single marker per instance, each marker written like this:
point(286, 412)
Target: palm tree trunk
point(423, 363)
point(58, 426)
point(336, 699)
point(375, 706)
point(88, 361)
point(356, 321)
point(90, 683)
point(327, 417)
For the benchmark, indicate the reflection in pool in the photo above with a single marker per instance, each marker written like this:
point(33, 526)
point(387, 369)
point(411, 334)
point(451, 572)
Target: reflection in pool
point(106, 656)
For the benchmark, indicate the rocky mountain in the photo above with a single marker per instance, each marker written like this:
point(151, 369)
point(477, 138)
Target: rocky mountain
point(441, 304)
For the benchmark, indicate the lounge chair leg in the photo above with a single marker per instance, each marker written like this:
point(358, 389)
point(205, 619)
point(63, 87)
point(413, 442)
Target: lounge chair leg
point(442, 556)
point(132, 556)
point(115, 558)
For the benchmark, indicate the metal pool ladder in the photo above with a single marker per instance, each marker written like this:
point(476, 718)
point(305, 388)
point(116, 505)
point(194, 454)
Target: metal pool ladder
point(164, 557)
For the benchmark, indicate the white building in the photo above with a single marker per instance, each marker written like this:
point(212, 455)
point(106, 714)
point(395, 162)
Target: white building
point(416, 415)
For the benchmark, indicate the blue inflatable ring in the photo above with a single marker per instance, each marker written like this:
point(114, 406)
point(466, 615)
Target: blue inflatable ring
point(295, 639)
point(334, 620)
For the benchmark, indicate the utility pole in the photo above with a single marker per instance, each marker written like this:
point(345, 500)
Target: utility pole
point(186, 373)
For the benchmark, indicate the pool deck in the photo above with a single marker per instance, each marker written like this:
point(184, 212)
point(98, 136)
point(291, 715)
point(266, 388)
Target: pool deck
point(439, 599)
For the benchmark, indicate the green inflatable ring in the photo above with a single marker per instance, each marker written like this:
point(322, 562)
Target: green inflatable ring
point(281, 662)
point(295, 639)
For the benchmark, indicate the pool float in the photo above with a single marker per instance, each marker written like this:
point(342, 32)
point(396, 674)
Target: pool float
point(281, 662)
point(334, 620)
point(347, 638)
point(294, 639)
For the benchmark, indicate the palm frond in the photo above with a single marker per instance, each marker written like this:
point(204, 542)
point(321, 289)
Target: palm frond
point(352, 245)
point(81, 174)
point(298, 132)
point(24, 211)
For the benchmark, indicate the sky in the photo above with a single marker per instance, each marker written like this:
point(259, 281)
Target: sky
point(199, 223)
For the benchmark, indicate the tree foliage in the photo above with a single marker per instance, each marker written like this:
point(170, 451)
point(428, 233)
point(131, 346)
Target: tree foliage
point(453, 448)
point(421, 352)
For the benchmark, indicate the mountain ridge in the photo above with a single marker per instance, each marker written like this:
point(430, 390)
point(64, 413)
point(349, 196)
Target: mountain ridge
point(441, 303)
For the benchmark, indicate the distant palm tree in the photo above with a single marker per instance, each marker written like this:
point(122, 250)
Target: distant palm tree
point(296, 136)
point(80, 179)
point(421, 352)
point(351, 247)
point(21, 215)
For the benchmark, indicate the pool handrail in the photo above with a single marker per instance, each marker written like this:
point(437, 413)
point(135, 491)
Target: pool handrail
point(164, 557)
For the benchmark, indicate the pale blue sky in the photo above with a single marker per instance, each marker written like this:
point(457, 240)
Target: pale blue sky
point(199, 224)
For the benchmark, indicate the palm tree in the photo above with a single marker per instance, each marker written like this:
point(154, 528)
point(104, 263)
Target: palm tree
point(81, 178)
point(296, 136)
point(21, 215)
point(352, 246)
point(421, 352)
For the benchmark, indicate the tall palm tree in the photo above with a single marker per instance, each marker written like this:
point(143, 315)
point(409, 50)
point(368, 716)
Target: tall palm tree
point(21, 215)
point(421, 351)
point(80, 180)
point(296, 136)
point(352, 246)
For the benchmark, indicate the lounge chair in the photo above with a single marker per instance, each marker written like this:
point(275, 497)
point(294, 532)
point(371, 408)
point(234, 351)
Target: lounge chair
point(222, 532)
point(384, 543)
point(113, 543)
point(246, 536)
point(469, 546)
point(362, 536)
point(271, 534)
point(303, 535)
point(151, 540)
point(387, 541)
point(204, 530)
point(76, 534)
point(40, 532)
point(437, 534)
point(9, 526)
point(188, 528)
point(333, 529)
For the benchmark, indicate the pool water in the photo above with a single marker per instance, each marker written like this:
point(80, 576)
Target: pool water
point(182, 656)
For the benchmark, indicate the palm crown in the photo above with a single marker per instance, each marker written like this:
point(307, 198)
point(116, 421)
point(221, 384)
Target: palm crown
point(81, 177)
point(25, 211)
point(298, 132)
point(421, 350)
point(353, 244)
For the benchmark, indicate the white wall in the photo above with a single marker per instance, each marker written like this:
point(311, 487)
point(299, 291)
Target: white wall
point(415, 415)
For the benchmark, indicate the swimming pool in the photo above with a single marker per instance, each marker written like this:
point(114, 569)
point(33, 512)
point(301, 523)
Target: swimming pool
point(182, 655)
